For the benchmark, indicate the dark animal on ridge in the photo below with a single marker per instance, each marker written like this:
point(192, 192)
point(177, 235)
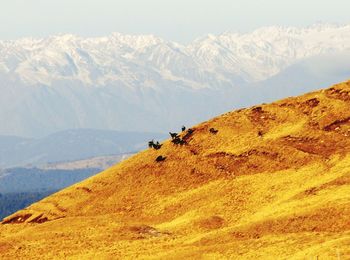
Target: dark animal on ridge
point(188, 134)
point(160, 158)
point(178, 140)
point(173, 135)
point(183, 128)
point(157, 146)
point(152, 144)
point(190, 131)
point(213, 131)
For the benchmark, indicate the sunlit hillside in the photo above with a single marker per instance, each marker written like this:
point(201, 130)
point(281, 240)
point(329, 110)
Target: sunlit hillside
point(267, 182)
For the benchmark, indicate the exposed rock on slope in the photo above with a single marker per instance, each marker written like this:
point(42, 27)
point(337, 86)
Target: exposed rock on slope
point(273, 182)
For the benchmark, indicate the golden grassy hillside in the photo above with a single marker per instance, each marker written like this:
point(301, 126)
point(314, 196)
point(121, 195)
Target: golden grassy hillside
point(272, 183)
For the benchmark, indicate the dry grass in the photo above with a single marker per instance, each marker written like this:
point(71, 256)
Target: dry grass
point(273, 183)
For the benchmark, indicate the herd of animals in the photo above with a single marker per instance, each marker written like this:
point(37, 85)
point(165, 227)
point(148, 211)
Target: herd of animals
point(176, 139)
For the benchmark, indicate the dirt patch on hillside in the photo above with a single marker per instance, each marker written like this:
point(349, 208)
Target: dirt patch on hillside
point(338, 93)
point(137, 232)
point(341, 181)
point(214, 222)
point(256, 161)
point(338, 124)
point(330, 219)
point(311, 145)
point(260, 116)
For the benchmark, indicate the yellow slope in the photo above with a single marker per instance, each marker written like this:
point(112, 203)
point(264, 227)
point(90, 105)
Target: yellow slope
point(272, 183)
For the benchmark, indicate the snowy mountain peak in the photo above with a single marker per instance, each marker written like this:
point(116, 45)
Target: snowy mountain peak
point(142, 82)
point(132, 60)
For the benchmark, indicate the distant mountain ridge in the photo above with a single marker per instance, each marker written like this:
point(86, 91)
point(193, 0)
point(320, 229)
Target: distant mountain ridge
point(70, 145)
point(143, 82)
point(22, 186)
point(125, 59)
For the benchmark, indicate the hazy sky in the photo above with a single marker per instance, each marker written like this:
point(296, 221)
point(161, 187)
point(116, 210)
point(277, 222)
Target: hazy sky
point(179, 20)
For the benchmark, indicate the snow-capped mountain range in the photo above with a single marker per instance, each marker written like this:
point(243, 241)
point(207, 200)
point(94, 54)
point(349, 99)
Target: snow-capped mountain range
point(143, 82)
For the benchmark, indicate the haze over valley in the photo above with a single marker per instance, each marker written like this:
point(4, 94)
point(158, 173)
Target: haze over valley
point(36, 168)
point(144, 83)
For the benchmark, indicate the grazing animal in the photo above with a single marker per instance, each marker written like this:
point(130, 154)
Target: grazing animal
point(182, 142)
point(173, 135)
point(160, 158)
point(188, 134)
point(183, 128)
point(178, 140)
point(157, 146)
point(213, 131)
point(150, 144)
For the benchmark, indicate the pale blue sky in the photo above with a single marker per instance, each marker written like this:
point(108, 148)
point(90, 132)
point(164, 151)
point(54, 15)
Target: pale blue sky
point(179, 20)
